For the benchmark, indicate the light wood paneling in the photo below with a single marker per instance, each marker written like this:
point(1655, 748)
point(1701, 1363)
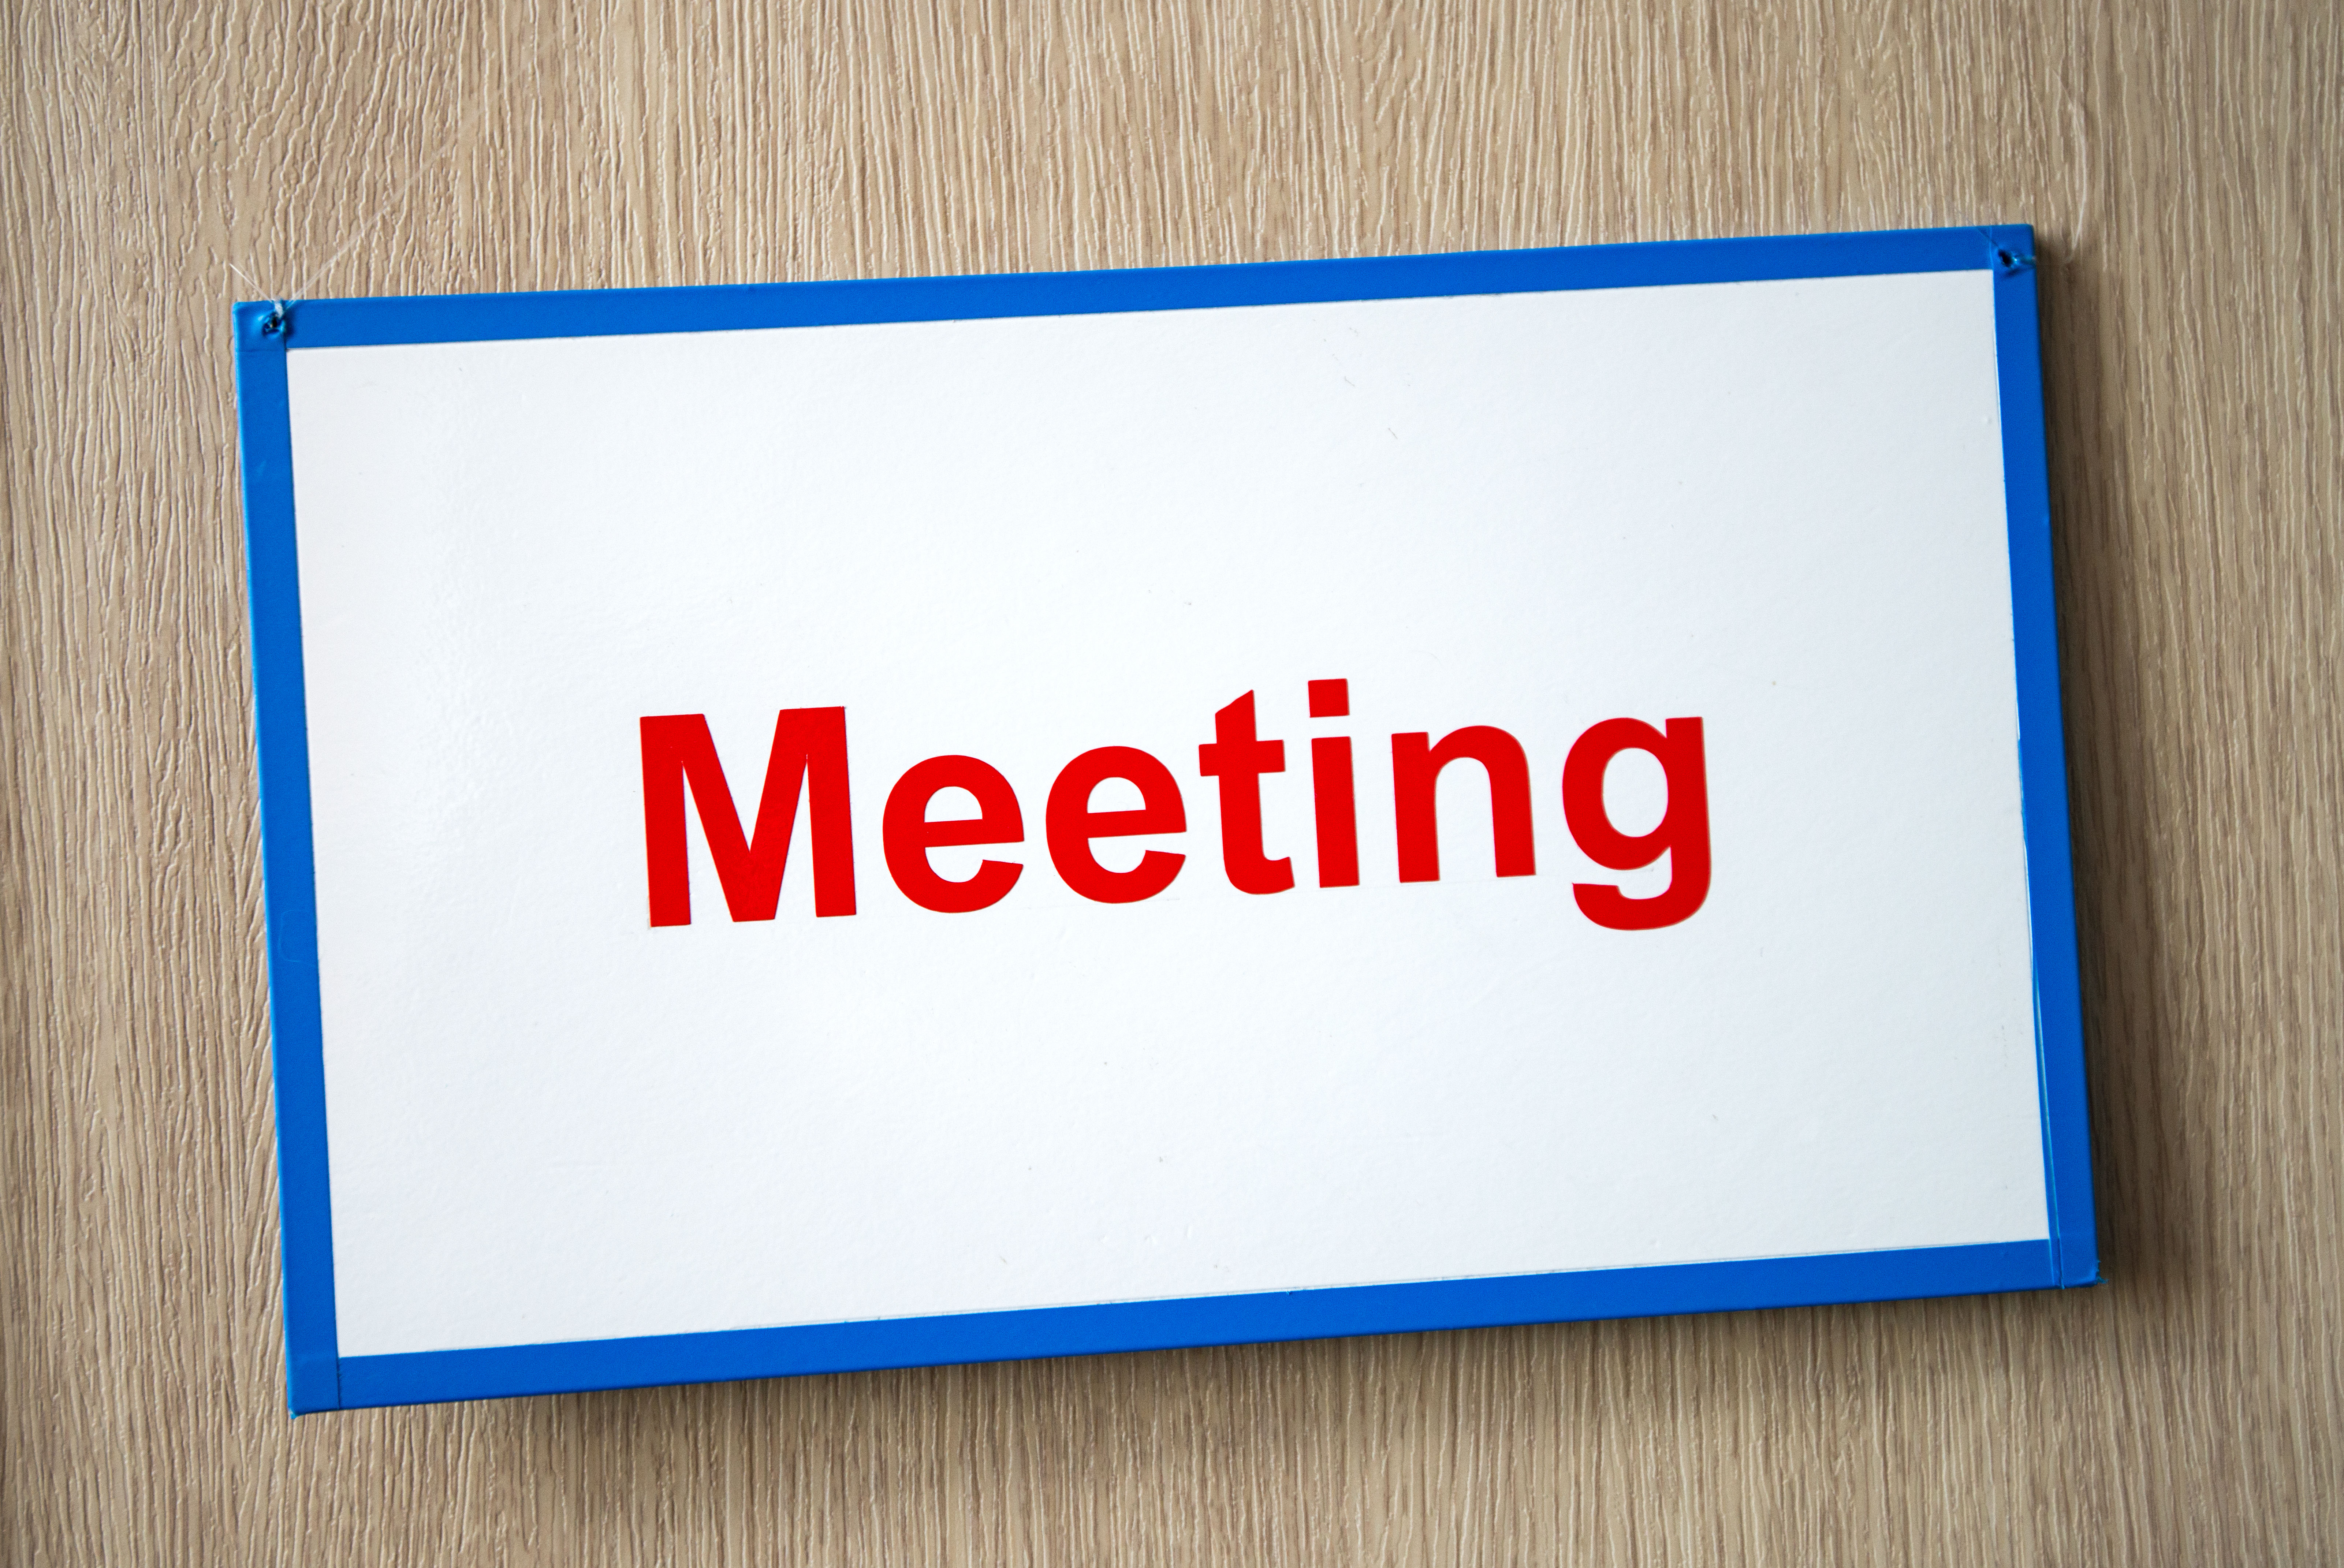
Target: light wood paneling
point(2185, 163)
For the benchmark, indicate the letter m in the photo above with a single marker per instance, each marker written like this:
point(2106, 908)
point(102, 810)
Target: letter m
point(809, 753)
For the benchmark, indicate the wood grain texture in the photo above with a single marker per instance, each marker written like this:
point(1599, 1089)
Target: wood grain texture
point(2185, 163)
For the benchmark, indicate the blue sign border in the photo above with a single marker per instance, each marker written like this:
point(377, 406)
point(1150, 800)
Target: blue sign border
point(319, 1378)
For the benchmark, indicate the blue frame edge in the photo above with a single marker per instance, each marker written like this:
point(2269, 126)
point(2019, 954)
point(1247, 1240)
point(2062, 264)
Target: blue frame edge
point(2042, 764)
point(319, 1378)
point(281, 734)
point(1196, 1321)
point(597, 313)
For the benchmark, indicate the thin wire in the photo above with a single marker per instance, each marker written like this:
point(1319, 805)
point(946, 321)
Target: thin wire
point(448, 141)
point(278, 307)
point(446, 146)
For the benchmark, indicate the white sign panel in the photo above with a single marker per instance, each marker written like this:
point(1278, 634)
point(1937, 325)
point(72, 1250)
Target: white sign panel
point(831, 826)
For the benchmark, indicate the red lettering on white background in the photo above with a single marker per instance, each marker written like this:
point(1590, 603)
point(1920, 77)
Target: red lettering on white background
point(809, 759)
point(1415, 774)
point(1682, 835)
point(907, 835)
point(1334, 805)
point(809, 749)
point(1238, 759)
point(1071, 824)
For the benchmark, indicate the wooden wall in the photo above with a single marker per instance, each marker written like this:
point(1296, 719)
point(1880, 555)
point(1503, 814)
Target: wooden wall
point(2185, 162)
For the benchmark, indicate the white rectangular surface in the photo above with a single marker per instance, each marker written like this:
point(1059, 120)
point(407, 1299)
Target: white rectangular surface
point(1777, 507)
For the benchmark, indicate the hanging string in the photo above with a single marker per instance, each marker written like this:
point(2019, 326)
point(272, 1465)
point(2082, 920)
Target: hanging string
point(281, 307)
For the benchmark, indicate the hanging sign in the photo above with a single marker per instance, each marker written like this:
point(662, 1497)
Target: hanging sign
point(847, 825)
